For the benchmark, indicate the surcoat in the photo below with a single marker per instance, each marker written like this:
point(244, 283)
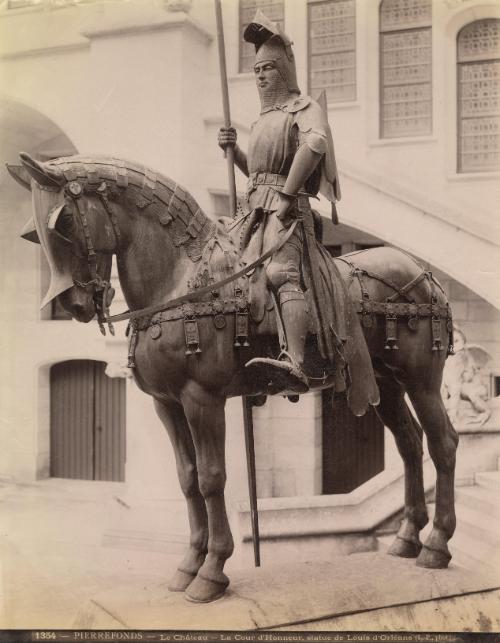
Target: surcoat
point(274, 140)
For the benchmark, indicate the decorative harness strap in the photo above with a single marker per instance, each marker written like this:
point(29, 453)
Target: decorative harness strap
point(392, 309)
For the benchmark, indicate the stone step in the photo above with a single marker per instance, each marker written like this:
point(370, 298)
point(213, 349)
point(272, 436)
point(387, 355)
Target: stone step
point(488, 480)
point(475, 544)
point(479, 498)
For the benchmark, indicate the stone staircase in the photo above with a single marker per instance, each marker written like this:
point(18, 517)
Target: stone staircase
point(476, 542)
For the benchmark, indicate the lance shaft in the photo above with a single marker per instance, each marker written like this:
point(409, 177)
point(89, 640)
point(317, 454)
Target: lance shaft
point(225, 106)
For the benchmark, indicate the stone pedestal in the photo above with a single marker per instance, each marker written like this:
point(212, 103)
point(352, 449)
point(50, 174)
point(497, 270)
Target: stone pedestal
point(288, 595)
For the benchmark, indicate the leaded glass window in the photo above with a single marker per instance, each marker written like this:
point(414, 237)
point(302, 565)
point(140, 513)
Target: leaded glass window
point(478, 57)
point(332, 49)
point(272, 9)
point(405, 68)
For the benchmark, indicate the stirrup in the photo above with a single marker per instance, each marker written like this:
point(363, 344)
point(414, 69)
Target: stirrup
point(281, 374)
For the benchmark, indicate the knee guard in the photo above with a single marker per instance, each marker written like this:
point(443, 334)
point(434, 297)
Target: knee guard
point(290, 292)
point(280, 274)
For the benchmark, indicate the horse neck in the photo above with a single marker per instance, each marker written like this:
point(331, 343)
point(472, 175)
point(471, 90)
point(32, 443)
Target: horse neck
point(151, 268)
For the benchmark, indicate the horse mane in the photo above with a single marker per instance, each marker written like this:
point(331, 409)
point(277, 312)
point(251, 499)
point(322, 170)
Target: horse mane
point(149, 191)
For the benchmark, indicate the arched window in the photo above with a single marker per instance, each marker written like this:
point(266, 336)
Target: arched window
point(478, 60)
point(273, 9)
point(405, 68)
point(332, 49)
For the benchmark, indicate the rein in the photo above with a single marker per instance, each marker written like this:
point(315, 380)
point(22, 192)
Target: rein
point(193, 296)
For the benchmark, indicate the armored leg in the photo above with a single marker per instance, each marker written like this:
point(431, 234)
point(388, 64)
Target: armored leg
point(294, 315)
point(283, 273)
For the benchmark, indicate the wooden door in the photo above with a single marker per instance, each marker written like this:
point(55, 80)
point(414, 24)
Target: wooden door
point(87, 416)
point(353, 448)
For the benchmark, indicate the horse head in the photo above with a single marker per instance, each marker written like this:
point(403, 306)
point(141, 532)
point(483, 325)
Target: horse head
point(72, 224)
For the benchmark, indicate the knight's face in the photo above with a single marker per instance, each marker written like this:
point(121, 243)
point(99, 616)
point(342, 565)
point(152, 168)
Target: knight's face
point(266, 74)
point(271, 85)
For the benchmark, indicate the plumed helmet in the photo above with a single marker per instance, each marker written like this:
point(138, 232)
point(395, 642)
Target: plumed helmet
point(272, 44)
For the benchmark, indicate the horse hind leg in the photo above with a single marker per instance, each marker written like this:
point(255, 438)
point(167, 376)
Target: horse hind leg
point(174, 420)
point(442, 441)
point(205, 414)
point(395, 414)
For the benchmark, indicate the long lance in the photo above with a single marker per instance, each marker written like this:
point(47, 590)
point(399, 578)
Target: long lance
point(247, 402)
point(225, 105)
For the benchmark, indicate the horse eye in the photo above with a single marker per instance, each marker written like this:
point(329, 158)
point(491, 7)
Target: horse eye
point(65, 223)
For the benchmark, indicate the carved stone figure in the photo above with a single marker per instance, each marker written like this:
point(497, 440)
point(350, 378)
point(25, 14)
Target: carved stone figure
point(191, 335)
point(465, 382)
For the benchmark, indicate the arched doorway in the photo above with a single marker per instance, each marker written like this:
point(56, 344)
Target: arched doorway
point(87, 422)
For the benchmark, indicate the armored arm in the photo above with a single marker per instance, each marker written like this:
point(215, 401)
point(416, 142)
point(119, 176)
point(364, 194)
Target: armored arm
point(307, 157)
point(227, 138)
point(304, 163)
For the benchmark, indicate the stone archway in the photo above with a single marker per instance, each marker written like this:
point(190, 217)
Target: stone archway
point(22, 129)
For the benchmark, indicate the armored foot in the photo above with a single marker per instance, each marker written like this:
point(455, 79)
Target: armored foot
point(280, 375)
point(435, 553)
point(407, 543)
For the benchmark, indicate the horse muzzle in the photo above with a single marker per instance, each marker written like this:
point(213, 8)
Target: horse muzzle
point(79, 303)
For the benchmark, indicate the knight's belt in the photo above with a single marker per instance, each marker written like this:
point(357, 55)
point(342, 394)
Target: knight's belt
point(270, 179)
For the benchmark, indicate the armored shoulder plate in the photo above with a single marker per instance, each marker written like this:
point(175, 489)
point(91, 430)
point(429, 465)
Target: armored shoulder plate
point(297, 104)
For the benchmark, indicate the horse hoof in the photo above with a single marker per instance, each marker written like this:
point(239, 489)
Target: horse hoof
point(433, 558)
point(204, 590)
point(405, 548)
point(180, 581)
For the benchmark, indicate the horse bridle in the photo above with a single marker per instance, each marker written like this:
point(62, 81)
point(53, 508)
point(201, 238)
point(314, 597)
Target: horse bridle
point(103, 291)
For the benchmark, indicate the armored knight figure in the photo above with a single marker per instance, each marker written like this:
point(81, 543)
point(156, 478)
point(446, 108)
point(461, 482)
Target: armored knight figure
point(290, 158)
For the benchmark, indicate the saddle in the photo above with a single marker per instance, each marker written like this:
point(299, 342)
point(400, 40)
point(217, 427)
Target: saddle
point(334, 321)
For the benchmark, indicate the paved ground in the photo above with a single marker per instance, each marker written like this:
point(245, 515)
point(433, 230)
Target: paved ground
point(52, 558)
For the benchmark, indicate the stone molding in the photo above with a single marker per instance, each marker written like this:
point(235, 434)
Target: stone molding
point(79, 31)
point(359, 511)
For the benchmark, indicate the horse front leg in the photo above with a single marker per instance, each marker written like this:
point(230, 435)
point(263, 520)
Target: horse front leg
point(174, 420)
point(395, 414)
point(205, 414)
point(442, 441)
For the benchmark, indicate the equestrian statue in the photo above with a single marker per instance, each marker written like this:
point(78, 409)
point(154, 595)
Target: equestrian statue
point(252, 305)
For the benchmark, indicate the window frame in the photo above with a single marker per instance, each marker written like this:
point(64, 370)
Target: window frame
point(400, 30)
point(460, 172)
point(341, 101)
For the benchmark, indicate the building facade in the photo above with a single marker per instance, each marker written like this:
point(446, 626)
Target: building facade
point(412, 89)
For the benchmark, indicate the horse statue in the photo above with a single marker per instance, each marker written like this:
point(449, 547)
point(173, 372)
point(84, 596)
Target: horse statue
point(191, 336)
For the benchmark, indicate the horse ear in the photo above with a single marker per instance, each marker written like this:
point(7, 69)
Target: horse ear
point(20, 174)
point(41, 172)
point(29, 232)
